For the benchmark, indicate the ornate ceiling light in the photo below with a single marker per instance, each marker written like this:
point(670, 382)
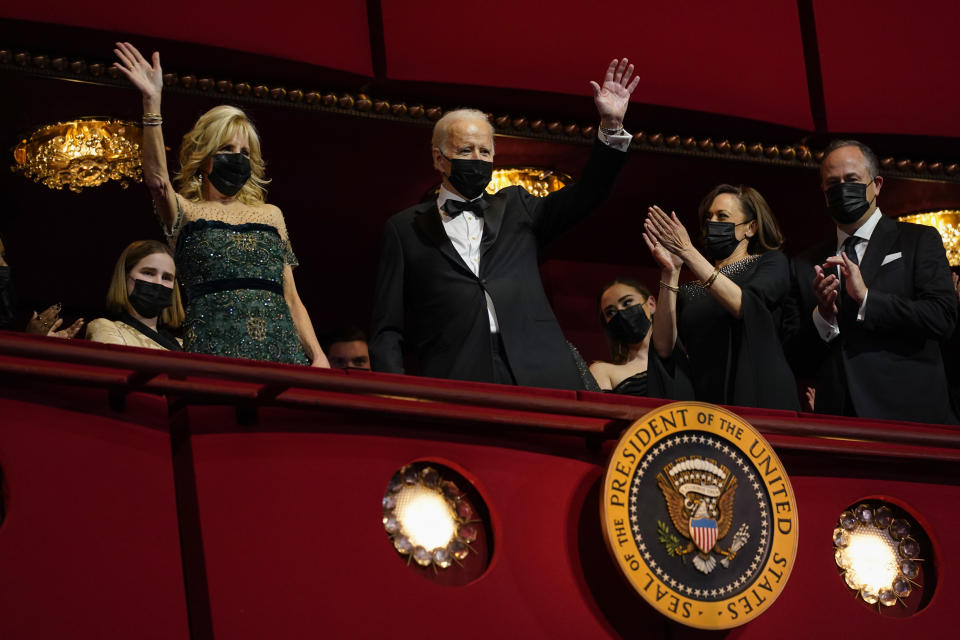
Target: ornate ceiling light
point(536, 180)
point(80, 153)
point(947, 222)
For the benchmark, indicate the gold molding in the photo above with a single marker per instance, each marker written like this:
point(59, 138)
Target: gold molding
point(362, 105)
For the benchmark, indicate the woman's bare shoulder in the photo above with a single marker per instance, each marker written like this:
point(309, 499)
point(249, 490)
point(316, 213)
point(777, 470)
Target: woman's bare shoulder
point(601, 372)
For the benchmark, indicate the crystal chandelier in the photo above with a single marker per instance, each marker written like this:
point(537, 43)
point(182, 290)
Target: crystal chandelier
point(80, 153)
point(947, 222)
point(537, 181)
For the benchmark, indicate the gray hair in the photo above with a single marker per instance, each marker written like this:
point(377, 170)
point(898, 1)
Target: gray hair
point(442, 127)
point(873, 165)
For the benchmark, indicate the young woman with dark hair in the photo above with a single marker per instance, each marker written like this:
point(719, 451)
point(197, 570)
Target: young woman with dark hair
point(626, 308)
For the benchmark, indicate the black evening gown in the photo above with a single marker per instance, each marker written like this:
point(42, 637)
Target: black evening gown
point(725, 360)
point(635, 385)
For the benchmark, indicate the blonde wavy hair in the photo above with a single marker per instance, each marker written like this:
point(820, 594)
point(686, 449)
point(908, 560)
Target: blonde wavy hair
point(117, 299)
point(211, 131)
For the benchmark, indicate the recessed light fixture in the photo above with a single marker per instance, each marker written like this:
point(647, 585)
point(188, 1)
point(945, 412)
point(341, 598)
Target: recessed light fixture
point(878, 554)
point(429, 519)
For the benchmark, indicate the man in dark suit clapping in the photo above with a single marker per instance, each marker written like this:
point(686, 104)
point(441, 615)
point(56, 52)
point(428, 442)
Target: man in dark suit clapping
point(462, 269)
point(875, 301)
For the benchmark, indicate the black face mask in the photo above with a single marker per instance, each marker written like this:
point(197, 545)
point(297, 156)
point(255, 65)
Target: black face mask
point(721, 238)
point(629, 325)
point(469, 177)
point(847, 201)
point(149, 299)
point(4, 277)
point(230, 172)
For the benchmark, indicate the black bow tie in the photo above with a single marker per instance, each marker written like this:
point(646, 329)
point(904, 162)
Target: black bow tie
point(453, 208)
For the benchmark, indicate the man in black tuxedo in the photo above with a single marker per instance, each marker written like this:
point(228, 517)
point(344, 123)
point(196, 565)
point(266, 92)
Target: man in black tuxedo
point(461, 271)
point(875, 301)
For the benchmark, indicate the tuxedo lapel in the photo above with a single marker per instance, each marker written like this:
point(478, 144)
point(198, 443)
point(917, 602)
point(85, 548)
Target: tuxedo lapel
point(492, 219)
point(881, 241)
point(429, 223)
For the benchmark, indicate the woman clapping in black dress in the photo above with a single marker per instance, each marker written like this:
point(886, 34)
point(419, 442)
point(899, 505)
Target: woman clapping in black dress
point(717, 339)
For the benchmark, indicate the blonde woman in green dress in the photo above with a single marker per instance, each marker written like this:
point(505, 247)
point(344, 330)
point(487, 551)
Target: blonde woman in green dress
point(233, 253)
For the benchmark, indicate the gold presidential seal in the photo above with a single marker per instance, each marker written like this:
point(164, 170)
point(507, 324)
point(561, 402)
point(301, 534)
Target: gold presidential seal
point(699, 514)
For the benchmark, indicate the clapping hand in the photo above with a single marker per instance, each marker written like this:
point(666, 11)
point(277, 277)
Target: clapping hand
point(146, 77)
point(613, 97)
point(667, 261)
point(69, 332)
point(852, 278)
point(668, 231)
point(826, 289)
point(42, 323)
point(48, 321)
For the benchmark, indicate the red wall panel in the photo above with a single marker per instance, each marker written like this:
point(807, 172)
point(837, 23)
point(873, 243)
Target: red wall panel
point(742, 59)
point(294, 543)
point(285, 497)
point(89, 547)
point(885, 68)
point(327, 34)
point(890, 68)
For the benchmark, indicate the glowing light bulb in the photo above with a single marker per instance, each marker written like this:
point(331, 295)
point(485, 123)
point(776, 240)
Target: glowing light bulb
point(426, 517)
point(871, 558)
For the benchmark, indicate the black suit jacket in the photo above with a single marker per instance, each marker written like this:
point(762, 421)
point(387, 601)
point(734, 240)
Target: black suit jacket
point(423, 285)
point(889, 366)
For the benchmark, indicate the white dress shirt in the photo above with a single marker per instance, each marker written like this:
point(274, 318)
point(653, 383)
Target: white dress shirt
point(829, 331)
point(466, 230)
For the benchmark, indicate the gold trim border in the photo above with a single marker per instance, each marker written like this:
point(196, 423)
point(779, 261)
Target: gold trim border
point(362, 105)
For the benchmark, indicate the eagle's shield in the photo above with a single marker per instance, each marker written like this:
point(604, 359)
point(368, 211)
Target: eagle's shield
point(703, 532)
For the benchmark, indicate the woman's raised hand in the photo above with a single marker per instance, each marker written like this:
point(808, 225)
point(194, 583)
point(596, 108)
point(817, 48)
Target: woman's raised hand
point(664, 258)
point(668, 231)
point(146, 77)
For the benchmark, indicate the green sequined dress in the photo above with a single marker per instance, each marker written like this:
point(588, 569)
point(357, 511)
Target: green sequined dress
point(232, 278)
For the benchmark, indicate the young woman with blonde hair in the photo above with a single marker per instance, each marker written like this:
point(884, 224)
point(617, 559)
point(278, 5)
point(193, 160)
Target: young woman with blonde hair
point(232, 248)
point(143, 299)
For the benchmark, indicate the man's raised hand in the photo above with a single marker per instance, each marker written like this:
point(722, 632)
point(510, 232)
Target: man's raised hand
point(613, 97)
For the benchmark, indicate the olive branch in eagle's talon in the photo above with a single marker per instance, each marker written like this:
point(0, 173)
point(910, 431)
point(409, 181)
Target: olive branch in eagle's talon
point(671, 542)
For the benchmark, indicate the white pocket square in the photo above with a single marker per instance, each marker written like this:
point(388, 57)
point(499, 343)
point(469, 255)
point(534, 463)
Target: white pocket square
point(891, 257)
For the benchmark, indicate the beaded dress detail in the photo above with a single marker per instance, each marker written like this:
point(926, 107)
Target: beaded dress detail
point(722, 359)
point(735, 271)
point(230, 263)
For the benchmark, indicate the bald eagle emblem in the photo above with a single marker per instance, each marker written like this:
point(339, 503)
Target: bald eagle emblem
point(699, 494)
